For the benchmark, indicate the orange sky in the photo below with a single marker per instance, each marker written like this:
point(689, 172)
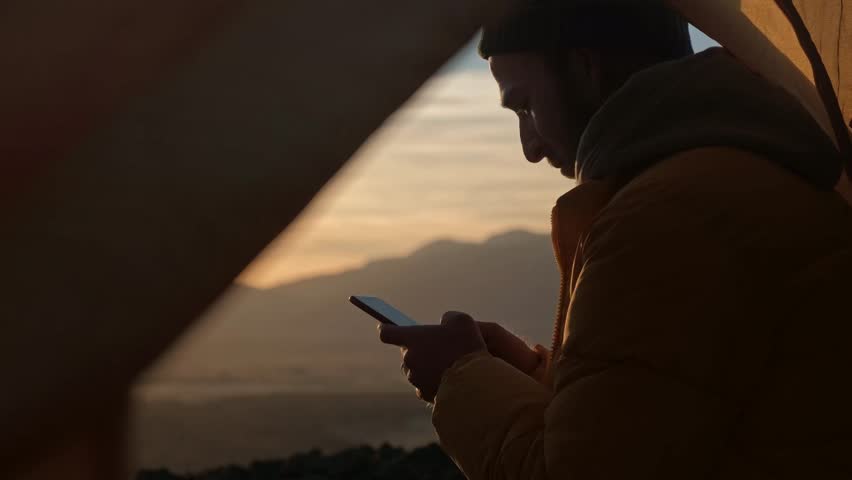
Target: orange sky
point(448, 165)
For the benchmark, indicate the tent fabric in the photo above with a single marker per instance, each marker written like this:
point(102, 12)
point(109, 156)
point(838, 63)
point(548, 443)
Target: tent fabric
point(822, 80)
point(830, 26)
point(120, 237)
point(152, 149)
point(760, 35)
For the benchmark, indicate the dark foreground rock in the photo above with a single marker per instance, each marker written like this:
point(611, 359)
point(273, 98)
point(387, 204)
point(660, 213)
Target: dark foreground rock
point(362, 463)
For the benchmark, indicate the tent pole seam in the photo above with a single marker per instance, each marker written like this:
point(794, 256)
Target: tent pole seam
point(822, 82)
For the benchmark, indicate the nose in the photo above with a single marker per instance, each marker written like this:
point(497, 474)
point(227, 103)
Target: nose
point(530, 140)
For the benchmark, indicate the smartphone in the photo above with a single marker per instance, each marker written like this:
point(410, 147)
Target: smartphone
point(381, 311)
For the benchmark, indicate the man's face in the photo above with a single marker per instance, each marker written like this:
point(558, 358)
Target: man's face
point(553, 107)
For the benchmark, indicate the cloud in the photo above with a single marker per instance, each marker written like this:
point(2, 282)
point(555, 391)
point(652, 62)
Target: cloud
point(448, 165)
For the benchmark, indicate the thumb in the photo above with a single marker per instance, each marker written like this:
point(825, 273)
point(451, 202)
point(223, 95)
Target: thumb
point(457, 318)
point(392, 335)
point(404, 336)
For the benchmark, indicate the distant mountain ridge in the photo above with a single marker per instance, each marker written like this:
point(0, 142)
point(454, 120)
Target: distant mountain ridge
point(304, 335)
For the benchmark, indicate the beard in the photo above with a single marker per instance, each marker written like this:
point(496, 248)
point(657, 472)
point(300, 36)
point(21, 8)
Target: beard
point(563, 156)
point(578, 115)
point(569, 171)
point(565, 166)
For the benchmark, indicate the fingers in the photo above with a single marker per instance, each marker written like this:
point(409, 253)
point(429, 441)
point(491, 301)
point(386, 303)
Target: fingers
point(456, 318)
point(412, 362)
point(394, 335)
point(489, 330)
point(462, 325)
point(413, 379)
point(406, 362)
point(428, 350)
point(388, 334)
point(405, 336)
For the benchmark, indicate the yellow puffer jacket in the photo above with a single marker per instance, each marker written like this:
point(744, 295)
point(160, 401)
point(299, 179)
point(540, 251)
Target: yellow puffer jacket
point(697, 345)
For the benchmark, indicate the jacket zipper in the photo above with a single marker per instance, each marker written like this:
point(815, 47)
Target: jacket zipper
point(562, 305)
point(559, 325)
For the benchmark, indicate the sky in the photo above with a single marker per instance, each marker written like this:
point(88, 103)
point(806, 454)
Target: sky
point(447, 165)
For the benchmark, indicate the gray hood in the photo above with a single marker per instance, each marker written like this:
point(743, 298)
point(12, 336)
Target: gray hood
point(707, 99)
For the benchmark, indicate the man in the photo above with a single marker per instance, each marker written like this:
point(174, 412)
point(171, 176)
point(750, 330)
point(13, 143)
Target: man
point(705, 261)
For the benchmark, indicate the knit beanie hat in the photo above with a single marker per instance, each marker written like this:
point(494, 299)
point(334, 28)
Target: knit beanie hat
point(646, 25)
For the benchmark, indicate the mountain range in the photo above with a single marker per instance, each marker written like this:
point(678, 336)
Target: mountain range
point(305, 336)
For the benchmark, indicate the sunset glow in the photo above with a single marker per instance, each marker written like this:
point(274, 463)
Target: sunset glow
point(448, 165)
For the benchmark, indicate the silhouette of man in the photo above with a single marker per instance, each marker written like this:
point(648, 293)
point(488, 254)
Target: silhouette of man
point(704, 258)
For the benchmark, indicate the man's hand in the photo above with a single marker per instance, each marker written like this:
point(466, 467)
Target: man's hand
point(429, 350)
point(507, 346)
